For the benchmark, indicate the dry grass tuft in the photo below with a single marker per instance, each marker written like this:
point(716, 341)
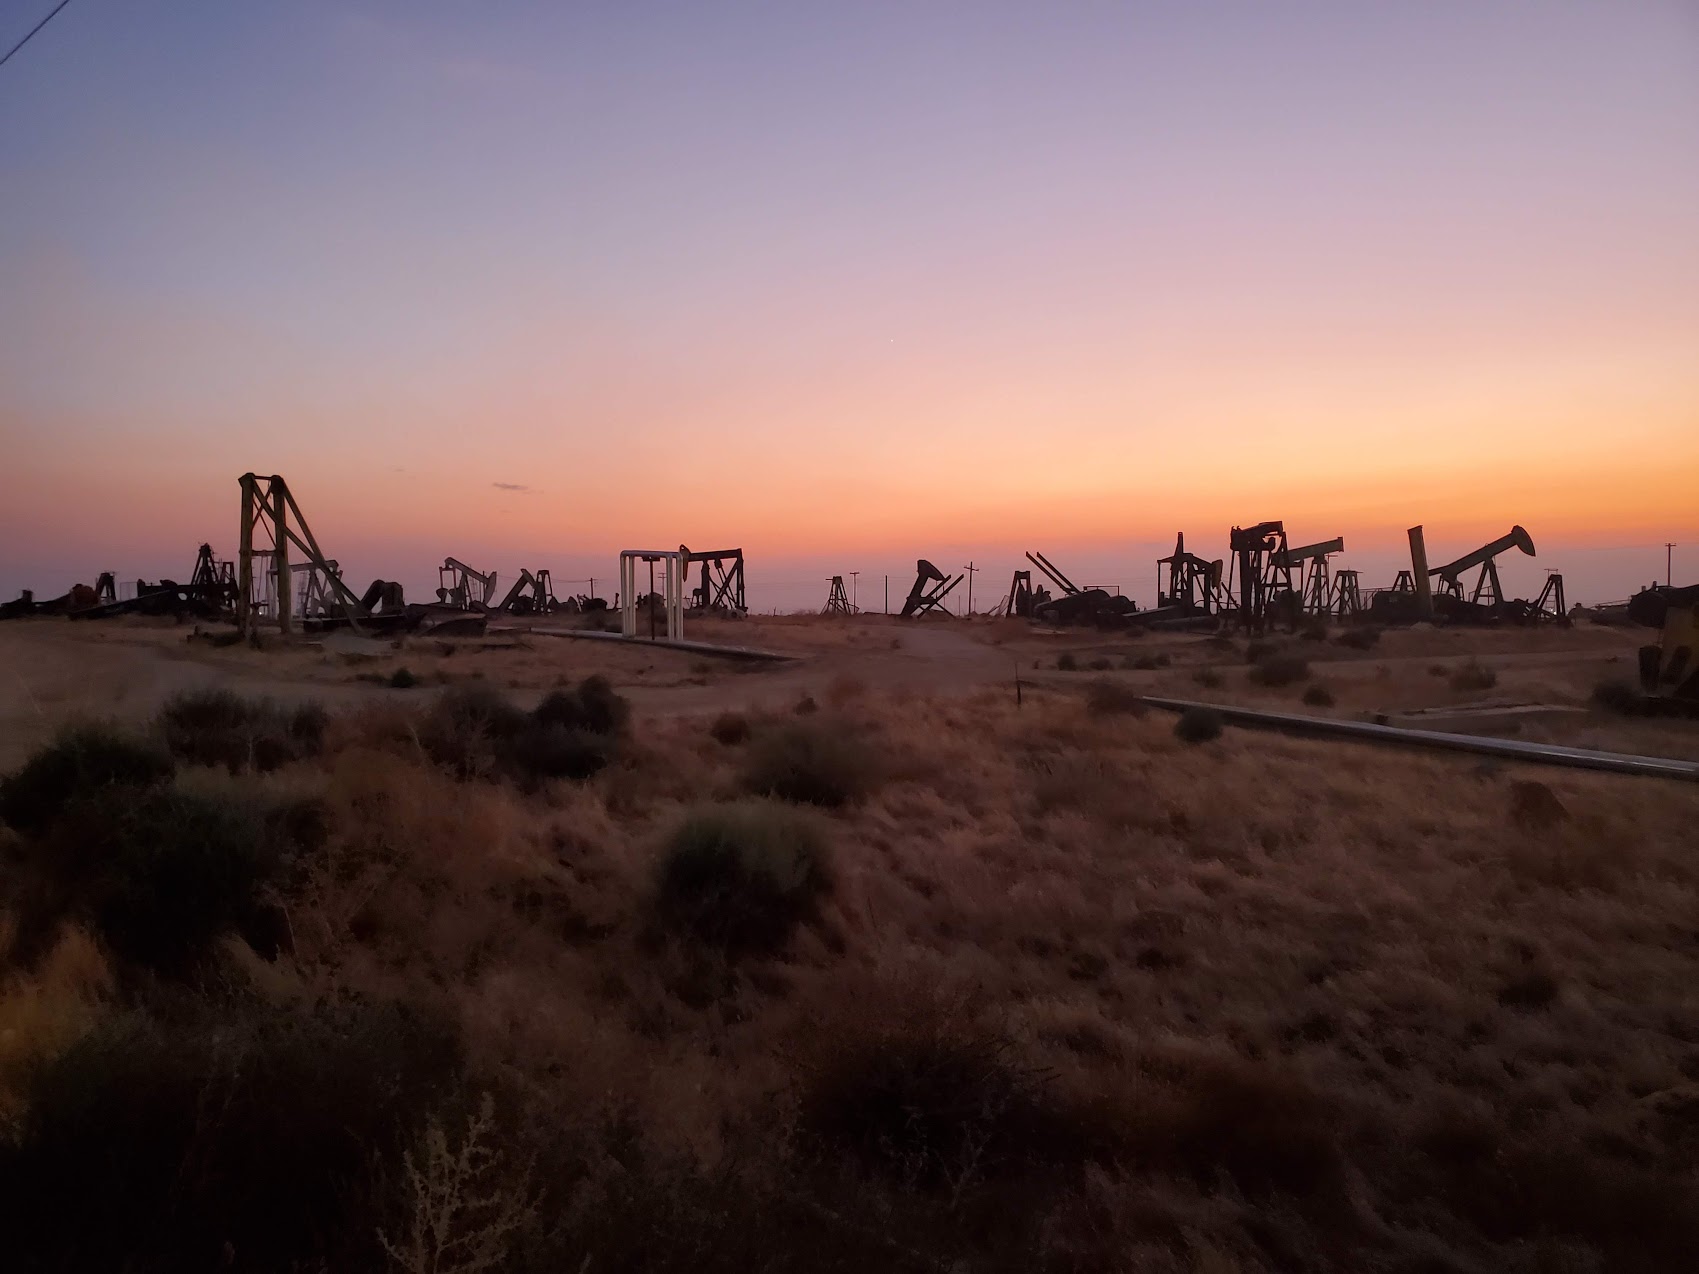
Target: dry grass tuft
point(1198, 725)
point(1473, 675)
point(818, 761)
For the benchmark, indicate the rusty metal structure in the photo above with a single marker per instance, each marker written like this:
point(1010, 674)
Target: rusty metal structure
point(271, 526)
point(1261, 567)
point(837, 601)
point(1023, 598)
point(931, 586)
point(721, 588)
point(1488, 592)
point(1187, 585)
point(1316, 586)
point(460, 586)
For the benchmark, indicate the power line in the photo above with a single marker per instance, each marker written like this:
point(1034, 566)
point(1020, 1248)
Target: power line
point(20, 44)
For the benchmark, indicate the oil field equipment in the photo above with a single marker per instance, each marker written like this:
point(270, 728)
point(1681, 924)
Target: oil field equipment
point(1023, 598)
point(837, 601)
point(675, 564)
point(1347, 595)
point(270, 518)
point(1187, 585)
point(460, 586)
point(1316, 595)
point(1669, 668)
point(532, 593)
point(721, 589)
point(1488, 593)
point(1264, 593)
point(931, 587)
point(1075, 605)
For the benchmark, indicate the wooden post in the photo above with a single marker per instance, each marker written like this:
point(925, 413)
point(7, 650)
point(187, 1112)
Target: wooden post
point(245, 560)
point(280, 530)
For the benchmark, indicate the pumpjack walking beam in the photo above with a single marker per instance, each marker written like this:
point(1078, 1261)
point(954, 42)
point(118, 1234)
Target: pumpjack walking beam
point(267, 507)
point(931, 587)
point(1487, 582)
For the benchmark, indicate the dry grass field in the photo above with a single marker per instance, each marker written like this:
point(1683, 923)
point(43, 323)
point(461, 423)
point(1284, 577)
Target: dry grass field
point(850, 963)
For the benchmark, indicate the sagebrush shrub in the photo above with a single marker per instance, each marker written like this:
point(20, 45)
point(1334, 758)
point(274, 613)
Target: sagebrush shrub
point(742, 876)
point(159, 875)
point(1474, 676)
point(1318, 696)
point(818, 761)
point(402, 679)
point(1279, 670)
point(1198, 725)
point(1110, 698)
point(81, 761)
point(1361, 638)
point(469, 729)
point(238, 1127)
point(730, 728)
point(1066, 662)
point(222, 728)
point(1208, 678)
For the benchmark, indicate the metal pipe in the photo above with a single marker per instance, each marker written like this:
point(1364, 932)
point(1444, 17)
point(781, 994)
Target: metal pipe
point(1510, 749)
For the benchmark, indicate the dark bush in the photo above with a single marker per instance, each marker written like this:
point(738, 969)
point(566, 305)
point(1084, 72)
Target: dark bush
point(1146, 663)
point(1314, 630)
point(1279, 670)
point(730, 728)
point(402, 679)
point(1364, 638)
point(1619, 695)
point(1474, 676)
point(1257, 649)
point(1208, 678)
point(1112, 698)
point(470, 730)
point(595, 706)
point(1100, 664)
point(545, 750)
point(822, 761)
point(926, 1103)
point(1318, 696)
point(82, 761)
point(743, 876)
point(237, 1128)
point(221, 728)
point(1198, 725)
point(160, 875)
point(1065, 662)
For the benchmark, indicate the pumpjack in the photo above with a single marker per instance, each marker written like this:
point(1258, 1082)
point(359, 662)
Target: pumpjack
point(1316, 592)
point(1264, 575)
point(1193, 584)
point(1023, 599)
point(461, 586)
point(1076, 605)
point(721, 589)
point(931, 587)
point(1488, 593)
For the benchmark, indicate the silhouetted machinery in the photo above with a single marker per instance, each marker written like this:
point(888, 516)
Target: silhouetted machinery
point(1316, 589)
point(721, 589)
point(1263, 572)
point(837, 601)
point(460, 586)
point(1193, 585)
point(1669, 669)
point(931, 587)
point(1023, 598)
point(1488, 592)
point(1075, 605)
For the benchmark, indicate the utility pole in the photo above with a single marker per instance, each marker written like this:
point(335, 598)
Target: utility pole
point(855, 592)
point(887, 594)
point(1669, 562)
point(971, 569)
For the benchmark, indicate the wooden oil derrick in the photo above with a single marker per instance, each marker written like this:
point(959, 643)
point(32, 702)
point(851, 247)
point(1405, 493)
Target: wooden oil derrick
point(271, 524)
point(837, 601)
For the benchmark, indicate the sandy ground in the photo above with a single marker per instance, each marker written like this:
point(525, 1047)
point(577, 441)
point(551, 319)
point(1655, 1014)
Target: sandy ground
point(55, 670)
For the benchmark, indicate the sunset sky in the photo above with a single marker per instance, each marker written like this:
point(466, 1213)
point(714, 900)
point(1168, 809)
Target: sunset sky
point(849, 284)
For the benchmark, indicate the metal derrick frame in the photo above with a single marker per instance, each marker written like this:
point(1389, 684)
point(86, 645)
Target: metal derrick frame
point(837, 601)
point(722, 581)
point(270, 516)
